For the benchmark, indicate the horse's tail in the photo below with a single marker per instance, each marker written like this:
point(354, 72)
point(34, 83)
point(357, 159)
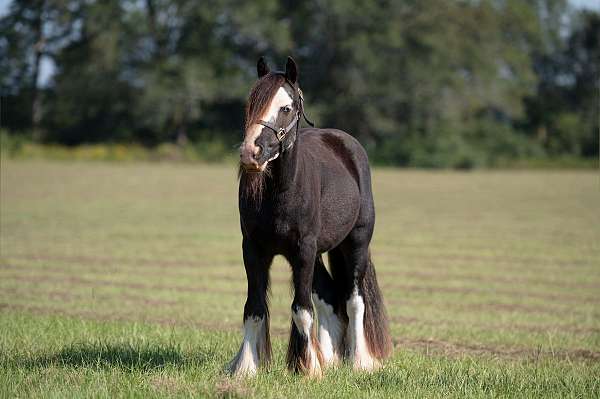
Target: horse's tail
point(376, 325)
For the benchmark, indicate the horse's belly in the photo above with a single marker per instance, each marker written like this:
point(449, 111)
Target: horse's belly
point(338, 216)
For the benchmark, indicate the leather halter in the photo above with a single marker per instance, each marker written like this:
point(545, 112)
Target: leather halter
point(281, 132)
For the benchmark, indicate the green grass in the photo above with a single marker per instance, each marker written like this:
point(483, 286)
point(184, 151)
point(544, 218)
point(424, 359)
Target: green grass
point(126, 280)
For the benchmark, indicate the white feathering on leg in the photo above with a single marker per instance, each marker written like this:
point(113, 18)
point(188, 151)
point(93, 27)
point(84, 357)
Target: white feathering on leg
point(329, 332)
point(303, 321)
point(246, 362)
point(358, 351)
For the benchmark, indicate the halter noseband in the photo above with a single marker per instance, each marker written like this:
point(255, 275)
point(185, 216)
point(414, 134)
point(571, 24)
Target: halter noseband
point(281, 133)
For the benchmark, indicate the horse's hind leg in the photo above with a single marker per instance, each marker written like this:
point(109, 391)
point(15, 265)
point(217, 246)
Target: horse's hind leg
point(367, 340)
point(304, 355)
point(331, 328)
point(256, 345)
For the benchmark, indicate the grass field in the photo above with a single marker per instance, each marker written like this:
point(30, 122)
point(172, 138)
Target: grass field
point(126, 280)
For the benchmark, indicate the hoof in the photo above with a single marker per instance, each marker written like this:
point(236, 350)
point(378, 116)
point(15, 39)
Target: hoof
point(365, 362)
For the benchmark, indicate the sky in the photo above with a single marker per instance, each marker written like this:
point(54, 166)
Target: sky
point(591, 4)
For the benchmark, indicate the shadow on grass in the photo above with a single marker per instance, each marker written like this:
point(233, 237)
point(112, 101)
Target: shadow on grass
point(122, 356)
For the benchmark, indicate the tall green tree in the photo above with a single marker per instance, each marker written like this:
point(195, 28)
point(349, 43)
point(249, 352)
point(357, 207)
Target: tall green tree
point(563, 114)
point(30, 31)
point(424, 83)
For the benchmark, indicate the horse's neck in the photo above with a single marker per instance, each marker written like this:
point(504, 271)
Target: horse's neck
point(284, 170)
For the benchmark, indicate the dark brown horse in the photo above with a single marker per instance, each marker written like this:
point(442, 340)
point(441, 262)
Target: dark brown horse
point(304, 192)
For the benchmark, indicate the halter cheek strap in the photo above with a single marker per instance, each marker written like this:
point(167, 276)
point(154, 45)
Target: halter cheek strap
point(281, 132)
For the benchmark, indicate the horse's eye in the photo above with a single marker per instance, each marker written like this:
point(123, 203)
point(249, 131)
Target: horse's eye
point(286, 109)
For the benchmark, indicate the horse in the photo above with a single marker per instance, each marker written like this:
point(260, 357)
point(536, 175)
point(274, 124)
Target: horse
point(302, 193)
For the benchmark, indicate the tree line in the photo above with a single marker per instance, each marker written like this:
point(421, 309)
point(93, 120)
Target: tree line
point(430, 83)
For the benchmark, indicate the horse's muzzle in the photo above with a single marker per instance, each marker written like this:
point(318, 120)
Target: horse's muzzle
point(251, 163)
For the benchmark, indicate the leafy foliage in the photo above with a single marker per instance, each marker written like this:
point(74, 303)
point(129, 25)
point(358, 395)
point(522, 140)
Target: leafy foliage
point(424, 83)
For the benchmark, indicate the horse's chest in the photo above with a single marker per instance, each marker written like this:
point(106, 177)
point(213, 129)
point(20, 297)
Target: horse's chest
point(280, 226)
point(284, 224)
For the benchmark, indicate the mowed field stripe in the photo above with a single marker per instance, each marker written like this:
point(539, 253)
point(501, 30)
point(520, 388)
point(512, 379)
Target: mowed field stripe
point(425, 287)
point(26, 294)
point(508, 263)
point(580, 316)
point(429, 264)
point(391, 300)
point(186, 270)
point(447, 348)
point(94, 282)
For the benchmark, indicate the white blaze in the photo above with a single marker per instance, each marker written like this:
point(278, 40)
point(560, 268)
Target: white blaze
point(280, 99)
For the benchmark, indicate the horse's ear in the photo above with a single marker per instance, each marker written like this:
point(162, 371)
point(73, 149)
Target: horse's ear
point(291, 70)
point(262, 68)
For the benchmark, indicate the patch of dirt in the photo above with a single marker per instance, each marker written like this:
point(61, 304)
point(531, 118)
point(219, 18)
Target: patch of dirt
point(491, 327)
point(232, 388)
point(454, 349)
point(167, 384)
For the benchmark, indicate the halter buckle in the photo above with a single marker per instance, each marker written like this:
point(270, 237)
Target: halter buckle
point(280, 134)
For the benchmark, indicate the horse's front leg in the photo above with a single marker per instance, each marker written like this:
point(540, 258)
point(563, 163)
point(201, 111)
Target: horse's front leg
point(256, 345)
point(304, 355)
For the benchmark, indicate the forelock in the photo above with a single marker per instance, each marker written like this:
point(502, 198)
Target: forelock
point(260, 96)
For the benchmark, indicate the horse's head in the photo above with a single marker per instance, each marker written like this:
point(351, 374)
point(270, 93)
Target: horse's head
point(273, 112)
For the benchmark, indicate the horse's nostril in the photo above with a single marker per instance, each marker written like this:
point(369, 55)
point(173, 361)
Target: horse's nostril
point(259, 152)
